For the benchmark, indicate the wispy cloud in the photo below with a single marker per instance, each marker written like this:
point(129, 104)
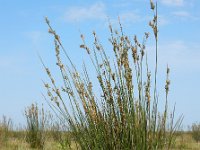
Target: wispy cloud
point(37, 39)
point(173, 2)
point(35, 36)
point(80, 13)
point(13, 63)
point(184, 15)
point(163, 20)
point(181, 55)
point(130, 17)
point(127, 19)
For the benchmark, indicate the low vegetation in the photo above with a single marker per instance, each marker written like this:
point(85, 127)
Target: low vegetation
point(195, 131)
point(123, 115)
point(5, 127)
point(16, 141)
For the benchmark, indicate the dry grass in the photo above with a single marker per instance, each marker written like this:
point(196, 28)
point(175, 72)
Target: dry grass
point(184, 141)
point(16, 140)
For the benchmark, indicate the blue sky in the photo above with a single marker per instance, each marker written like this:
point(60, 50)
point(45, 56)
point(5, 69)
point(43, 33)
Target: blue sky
point(23, 33)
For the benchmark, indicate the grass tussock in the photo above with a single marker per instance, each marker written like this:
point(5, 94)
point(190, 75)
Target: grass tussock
point(5, 130)
point(36, 125)
point(124, 115)
point(195, 131)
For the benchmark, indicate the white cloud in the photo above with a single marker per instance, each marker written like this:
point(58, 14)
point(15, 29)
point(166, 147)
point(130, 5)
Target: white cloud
point(127, 18)
point(181, 14)
point(181, 55)
point(184, 15)
point(13, 63)
point(130, 17)
point(162, 20)
point(37, 39)
point(80, 13)
point(35, 36)
point(173, 2)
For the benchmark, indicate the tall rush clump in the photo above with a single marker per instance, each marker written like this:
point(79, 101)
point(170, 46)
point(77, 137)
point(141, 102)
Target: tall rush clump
point(36, 123)
point(125, 115)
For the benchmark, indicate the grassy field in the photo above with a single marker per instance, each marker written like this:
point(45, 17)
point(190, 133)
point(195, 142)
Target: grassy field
point(16, 140)
point(184, 141)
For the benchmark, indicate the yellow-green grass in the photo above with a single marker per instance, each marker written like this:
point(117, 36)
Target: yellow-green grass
point(18, 143)
point(184, 141)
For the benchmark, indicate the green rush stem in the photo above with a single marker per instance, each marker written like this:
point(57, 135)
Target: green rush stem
point(156, 68)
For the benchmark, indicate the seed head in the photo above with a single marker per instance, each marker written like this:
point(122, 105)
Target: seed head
point(152, 5)
point(47, 20)
point(168, 70)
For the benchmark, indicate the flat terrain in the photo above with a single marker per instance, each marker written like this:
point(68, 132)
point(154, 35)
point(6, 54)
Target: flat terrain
point(184, 142)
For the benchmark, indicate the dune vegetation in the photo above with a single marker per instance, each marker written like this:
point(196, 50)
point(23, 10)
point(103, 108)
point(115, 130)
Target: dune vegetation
point(124, 114)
